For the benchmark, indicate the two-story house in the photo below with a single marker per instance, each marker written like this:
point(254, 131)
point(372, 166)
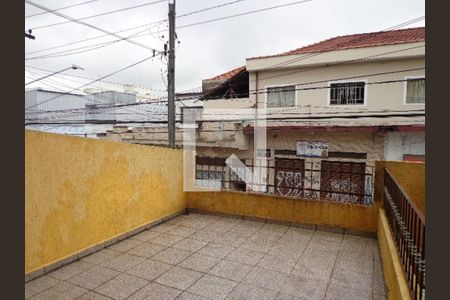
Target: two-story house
point(330, 110)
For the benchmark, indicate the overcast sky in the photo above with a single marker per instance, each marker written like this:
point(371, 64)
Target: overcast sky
point(205, 50)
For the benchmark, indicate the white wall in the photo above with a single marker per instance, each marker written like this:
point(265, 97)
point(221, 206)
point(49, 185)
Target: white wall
point(399, 143)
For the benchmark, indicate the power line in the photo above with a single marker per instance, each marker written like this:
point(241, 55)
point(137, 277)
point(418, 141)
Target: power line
point(415, 20)
point(90, 25)
point(136, 27)
point(90, 78)
point(311, 88)
point(282, 119)
point(142, 111)
point(86, 48)
point(101, 14)
point(105, 44)
point(89, 83)
point(61, 8)
point(322, 81)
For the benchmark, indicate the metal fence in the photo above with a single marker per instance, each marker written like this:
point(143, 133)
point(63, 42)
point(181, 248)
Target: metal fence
point(408, 227)
point(337, 181)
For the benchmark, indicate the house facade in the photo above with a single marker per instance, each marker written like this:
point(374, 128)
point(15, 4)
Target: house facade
point(327, 112)
point(331, 109)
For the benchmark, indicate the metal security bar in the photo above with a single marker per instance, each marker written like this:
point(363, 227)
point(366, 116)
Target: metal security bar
point(408, 227)
point(337, 181)
point(347, 93)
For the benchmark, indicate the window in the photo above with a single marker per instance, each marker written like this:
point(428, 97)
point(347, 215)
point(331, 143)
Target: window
point(415, 91)
point(348, 93)
point(281, 96)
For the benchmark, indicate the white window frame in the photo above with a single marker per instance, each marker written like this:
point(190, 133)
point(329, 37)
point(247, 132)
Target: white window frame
point(280, 85)
point(366, 87)
point(405, 89)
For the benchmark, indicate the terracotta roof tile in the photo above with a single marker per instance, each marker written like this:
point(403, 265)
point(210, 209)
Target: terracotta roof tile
point(228, 75)
point(371, 39)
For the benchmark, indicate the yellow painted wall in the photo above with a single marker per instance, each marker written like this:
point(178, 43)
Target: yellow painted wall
point(410, 175)
point(358, 217)
point(80, 192)
point(392, 269)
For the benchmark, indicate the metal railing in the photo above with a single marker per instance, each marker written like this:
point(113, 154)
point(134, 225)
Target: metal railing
point(337, 181)
point(407, 223)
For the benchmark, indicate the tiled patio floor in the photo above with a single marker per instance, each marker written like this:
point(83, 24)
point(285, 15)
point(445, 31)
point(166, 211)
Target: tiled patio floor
point(199, 256)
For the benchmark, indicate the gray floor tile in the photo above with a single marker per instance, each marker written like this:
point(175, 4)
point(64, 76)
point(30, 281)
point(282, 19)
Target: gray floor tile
point(200, 262)
point(264, 278)
point(292, 250)
point(319, 255)
point(230, 270)
point(147, 250)
point(325, 244)
point(301, 232)
point(183, 231)
point(154, 291)
point(304, 287)
point(125, 245)
point(93, 296)
point(39, 284)
point(179, 278)
point(190, 296)
point(123, 262)
point(317, 270)
point(212, 287)
point(355, 263)
point(216, 250)
point(167, 239)
point(221, 226)
point(245, 256)
point(94, 277)
point(146, 236)
point(149, 269)
point(379, 297)
point(325, 235)
point(121, 287)
point(336, 292)
point(61, 291)
point(172, 256)
point(69, 271)
point(274, 228)
point(163, 227)
point(264, 236)
point(351, 279)
point(257, 245)
point(100, 257)
point(378, 284)
point(248, 292)
point(189, 244)
point(231, 239)
point(283, 296)
point(206, 235)
point(277, 263)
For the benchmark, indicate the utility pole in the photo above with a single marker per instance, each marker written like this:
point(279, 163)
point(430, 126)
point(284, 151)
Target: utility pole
point(171, 75)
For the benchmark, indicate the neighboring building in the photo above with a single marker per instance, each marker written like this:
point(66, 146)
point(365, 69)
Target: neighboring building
point(90, 114)
point(41, 104)
point(333, 109)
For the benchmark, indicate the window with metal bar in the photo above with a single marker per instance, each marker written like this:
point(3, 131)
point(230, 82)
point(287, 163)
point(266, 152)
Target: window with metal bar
point(348, 93)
